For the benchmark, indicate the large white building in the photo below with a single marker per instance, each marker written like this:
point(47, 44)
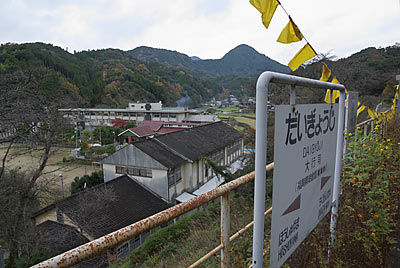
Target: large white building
point(135, 112)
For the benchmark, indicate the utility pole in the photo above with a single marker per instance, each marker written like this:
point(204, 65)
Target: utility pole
point(62, 184)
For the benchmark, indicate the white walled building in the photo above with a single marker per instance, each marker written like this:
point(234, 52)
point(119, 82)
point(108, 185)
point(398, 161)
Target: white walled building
point(174, 165)
point(135, 112)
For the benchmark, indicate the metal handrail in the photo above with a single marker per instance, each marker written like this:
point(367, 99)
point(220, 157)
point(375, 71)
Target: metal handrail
point(104, 243)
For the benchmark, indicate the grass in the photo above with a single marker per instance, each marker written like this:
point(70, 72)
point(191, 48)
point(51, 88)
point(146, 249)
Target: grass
point(237, 114)
point(250, 122)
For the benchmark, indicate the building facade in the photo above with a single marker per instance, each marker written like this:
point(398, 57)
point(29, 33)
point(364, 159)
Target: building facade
point(175, 165)
point(135, 112)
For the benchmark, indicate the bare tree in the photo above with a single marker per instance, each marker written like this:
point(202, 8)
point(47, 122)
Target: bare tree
point(29, 115)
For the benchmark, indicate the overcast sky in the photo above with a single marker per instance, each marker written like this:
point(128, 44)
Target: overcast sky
point(203, 28)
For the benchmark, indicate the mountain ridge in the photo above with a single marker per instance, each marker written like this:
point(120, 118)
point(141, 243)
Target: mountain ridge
point(242, 60)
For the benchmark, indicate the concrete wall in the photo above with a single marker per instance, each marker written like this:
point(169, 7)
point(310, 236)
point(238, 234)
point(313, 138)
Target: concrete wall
point(158, 183)
point(109, 172)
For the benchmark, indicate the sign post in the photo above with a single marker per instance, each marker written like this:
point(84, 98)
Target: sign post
point(304, 157)
point(261, 147)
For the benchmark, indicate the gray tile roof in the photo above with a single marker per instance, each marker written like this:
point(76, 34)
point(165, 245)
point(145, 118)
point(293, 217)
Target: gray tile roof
point(200, 141)
point(172, 149)
point(99, 215)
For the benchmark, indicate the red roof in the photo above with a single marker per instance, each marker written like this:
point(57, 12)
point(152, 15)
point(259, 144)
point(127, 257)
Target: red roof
point(148, 127)
point(153, 125)
point(165, 130)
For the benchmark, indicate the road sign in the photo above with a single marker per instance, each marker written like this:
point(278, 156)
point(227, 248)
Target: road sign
point(304, 157)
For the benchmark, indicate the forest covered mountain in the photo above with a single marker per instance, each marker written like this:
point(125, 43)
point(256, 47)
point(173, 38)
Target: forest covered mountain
point(242, 61)
point(369, 71)
point(112, 77)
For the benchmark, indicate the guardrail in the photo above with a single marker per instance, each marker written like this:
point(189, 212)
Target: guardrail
point(102, 244)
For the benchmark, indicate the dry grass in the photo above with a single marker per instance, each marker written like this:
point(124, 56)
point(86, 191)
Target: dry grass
point(22, 159)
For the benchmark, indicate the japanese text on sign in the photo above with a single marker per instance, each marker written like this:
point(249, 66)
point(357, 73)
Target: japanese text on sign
point(313, 125)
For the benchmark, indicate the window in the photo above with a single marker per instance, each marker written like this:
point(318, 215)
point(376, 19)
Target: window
point(172, 116)
point(206, 170)
point(135, 242)
point(120, 170)
point(171, 178)
point(156, 115)
point(149, 173)
point(136, 172)
point(164, 115)
point(131, 171)
point(123, 250)
point(143, 172)
point(178, 174)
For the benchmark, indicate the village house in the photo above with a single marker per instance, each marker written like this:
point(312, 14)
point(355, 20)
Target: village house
point(175, 165)
point(95, 212)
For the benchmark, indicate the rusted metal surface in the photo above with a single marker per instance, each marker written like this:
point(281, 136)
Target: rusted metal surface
point(225, 229)
point(102, 244)
point(233, 237)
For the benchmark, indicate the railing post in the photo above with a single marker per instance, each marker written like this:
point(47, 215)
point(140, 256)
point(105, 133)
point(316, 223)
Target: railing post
point(365, 130)
point(225, 229)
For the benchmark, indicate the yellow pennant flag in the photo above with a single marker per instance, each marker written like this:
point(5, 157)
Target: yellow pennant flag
point(372, 114)
point(360, 109)
point(267, 9)
point(291, 33)
point(304, 54)
point(326, 73)
point(336, 81)
point(335, 96)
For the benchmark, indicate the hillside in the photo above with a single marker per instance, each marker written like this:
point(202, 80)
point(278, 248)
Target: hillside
point(112, 77)
point(242, 61)
point(369, 71)
point(109, 77)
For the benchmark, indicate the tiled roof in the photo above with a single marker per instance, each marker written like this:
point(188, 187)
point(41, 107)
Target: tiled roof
point(58, 238)
point(99, 214)
point(51, 233)
point(142, 131)
point(165, 130)
point(197, 142)
point(153, 125)
point(171, 149)
point(160, 152)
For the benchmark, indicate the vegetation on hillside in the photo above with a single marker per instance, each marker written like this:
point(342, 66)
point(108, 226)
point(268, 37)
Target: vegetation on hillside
point(368, 71)
point(108, 77)
point(368, 216)
point(242, 61)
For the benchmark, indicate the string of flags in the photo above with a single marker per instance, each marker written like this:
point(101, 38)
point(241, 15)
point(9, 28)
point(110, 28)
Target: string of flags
point(290, 34)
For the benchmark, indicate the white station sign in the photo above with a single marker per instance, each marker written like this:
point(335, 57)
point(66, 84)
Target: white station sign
point(304, 157)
